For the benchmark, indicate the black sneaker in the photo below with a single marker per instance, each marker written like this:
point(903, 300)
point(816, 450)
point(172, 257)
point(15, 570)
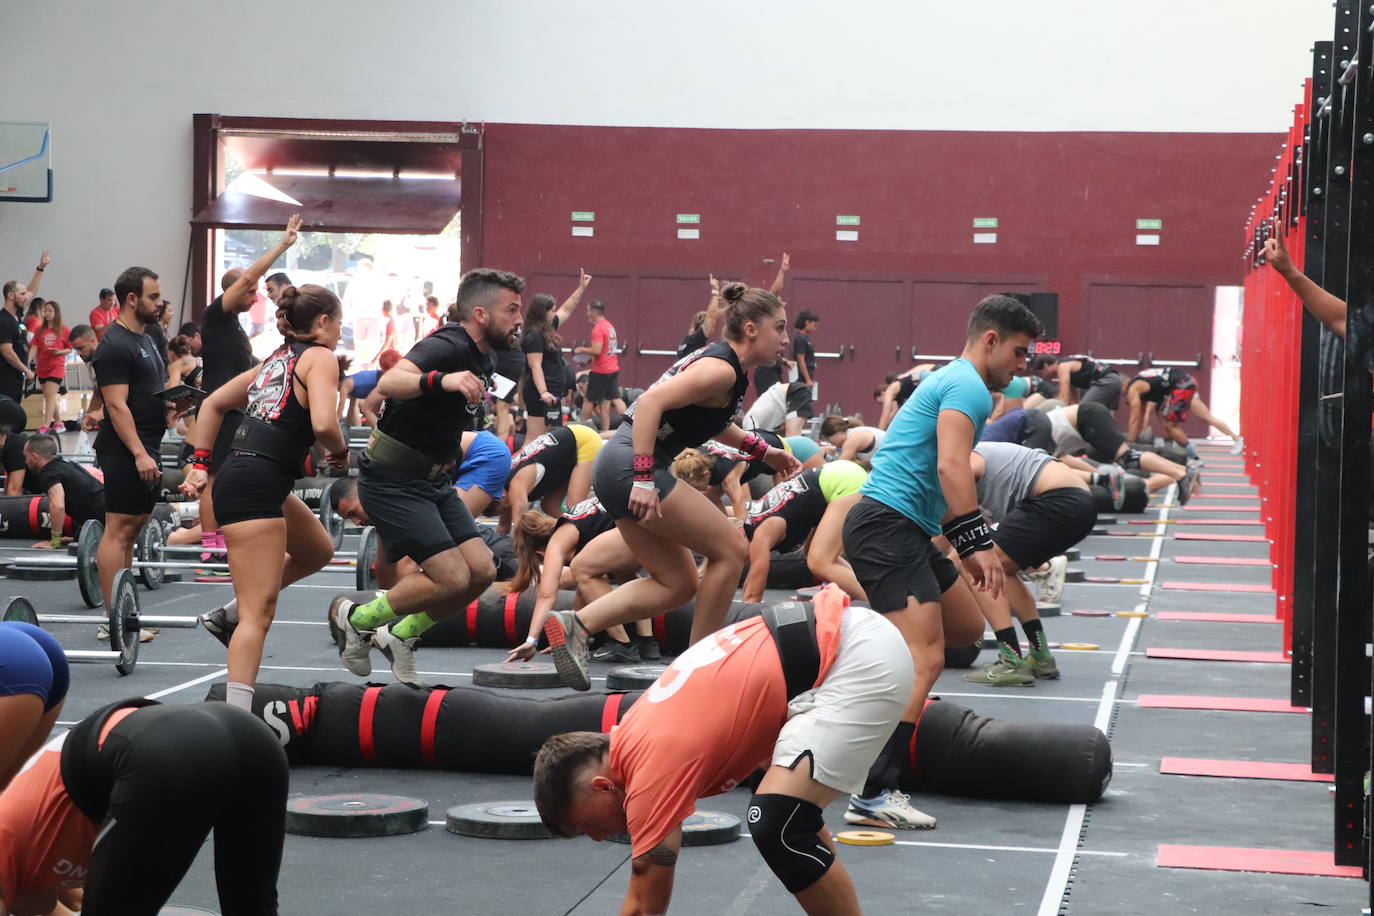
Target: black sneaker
point(218, 625)
point(617, 653)
point(648, 648)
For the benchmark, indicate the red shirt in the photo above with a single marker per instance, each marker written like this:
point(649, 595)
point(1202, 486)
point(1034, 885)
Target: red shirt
point(603, 332)
point(103, 318)
point(32, 323)
point(730, 688)
point(47, 341)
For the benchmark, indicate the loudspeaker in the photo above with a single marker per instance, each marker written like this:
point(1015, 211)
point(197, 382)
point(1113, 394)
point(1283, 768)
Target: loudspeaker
point(1046, 308)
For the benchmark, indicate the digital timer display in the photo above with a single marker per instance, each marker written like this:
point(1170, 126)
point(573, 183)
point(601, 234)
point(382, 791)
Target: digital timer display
point(1045, 348)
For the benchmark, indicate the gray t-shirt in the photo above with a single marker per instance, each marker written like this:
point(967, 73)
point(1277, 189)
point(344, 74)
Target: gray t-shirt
point(1008, 477)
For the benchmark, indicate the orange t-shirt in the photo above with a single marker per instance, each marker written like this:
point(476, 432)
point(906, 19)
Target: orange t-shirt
point(45, 840)
point(708, 722)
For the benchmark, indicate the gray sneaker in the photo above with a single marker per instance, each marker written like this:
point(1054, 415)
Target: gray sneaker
point(218, 625)
point(400, 652)
point(1188, 484)
point(1042, 664)
point(568, 642)
point(355, 646)
point(1009, 670)
point(1052, 589)
point(617, 653)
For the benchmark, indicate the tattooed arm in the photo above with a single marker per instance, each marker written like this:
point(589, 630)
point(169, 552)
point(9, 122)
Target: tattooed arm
point(651, 878)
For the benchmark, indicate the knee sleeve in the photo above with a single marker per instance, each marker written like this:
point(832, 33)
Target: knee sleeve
point(1131, 460)
point(786, 831)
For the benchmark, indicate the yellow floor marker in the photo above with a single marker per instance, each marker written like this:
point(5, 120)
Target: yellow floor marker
point(865, 838)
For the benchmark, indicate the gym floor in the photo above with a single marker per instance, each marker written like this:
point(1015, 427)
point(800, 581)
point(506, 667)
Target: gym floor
point(986, 856)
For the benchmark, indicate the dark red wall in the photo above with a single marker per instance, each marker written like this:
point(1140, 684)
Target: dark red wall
point(1066, 204)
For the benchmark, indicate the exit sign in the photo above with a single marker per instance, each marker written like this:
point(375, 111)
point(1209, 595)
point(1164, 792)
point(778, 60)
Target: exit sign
point(846, 221)
point(985, 222)
point(1155, 224)
point(583, 216)
point(689, 217)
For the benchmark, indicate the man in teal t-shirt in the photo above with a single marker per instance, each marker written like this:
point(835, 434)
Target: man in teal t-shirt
point(922, 486)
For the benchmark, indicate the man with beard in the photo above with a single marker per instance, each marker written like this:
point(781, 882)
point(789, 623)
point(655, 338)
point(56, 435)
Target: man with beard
point(405, 478)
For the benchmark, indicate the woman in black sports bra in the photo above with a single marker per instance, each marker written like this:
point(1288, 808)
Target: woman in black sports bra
point(290, 401)
point(664, 521)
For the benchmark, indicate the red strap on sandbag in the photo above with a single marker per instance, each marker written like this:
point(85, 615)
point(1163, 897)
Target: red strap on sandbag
point(472, 622)
point(33, 513)
point(428, 722)
point(911, 751)
point(610, 713)
point(661, 629)
point(366, 746)
point(511, 599)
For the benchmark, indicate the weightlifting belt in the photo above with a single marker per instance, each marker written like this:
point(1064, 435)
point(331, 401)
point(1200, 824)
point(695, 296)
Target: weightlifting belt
point(257, 437)
point(88, 784)
point(793, 625)
point(396, 455)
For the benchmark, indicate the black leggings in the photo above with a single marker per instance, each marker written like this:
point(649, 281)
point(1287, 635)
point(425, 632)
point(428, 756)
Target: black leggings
point(178, 771)
point(1099, 430)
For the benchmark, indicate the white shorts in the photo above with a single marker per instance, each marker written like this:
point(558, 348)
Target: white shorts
point(844, 723)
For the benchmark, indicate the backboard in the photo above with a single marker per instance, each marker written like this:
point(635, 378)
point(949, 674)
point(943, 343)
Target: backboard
point(25, 162)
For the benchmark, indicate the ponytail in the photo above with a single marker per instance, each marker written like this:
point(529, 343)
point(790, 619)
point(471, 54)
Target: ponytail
point(299, 306)
point(532, 533)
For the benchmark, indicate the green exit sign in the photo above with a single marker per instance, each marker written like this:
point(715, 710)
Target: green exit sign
point(583, 216)
point(985, 222)
point(689, 217)
point(1149, 224)
point(846, 221)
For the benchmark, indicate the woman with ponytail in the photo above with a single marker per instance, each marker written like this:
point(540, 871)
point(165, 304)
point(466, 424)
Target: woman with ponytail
point(273, 539)
point(664, 522)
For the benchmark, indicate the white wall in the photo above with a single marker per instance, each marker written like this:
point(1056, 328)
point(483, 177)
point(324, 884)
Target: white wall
point(120, 92)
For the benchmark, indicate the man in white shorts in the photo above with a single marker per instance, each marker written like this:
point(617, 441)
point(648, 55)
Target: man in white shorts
point(836, 677)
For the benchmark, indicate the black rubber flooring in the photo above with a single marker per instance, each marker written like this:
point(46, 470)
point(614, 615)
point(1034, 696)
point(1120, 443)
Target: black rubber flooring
point(985, 857)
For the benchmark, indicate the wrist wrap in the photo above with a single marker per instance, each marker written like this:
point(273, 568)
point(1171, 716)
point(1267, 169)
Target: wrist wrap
point(753, 446)
point(968, 533)
point(644, 467)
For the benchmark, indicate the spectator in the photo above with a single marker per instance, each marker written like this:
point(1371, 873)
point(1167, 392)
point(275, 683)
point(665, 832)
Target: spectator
point(52, 345)
point(603, 384)
point(32, 320)
point(703, 323)
point(14, 346)
point(388, 329)
point(274, 284)
point(104, 314)
point(804, 352)
point(191, 331)
point(431, 320)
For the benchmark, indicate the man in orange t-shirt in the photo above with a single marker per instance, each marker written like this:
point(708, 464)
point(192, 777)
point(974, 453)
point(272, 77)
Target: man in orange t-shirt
point(105, 313)
point(815, 714)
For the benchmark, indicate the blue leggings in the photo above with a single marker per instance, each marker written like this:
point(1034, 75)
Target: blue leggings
point(31, 661)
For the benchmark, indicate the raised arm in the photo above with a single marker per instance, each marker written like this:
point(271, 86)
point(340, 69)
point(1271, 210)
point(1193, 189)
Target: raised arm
point(37, 281)
point(1324, 307)
point(240, 296)
point(708, 326)
point(570, 304)
point(781, 279)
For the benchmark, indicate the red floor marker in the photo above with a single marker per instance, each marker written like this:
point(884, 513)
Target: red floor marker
point(1210, 484)
point(1211, 617)
point(1251, 497)
point(1242, 769)
point(1220, 704)
point(1217, 587)
point(1222, 507)
point(1268, 861)
point(1223, 561)
point(1211, 474)
point(1217, 521)
point(1217, 655)
point(1109, 557)
point(1256, 538)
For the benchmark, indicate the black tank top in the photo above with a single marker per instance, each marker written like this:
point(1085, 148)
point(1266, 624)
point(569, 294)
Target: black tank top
point(590, 518)
point(272, 397)
point(1089, 371)
point(690, 426)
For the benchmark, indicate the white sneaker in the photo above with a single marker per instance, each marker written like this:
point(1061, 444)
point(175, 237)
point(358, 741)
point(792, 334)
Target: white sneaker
point(890, 809)
point(1238, 446)
point(355, 646)
point(400, 652)
point(1052, 589)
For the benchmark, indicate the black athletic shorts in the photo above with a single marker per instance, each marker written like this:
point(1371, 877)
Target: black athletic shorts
point(1099, 430)
point(92, 507)
point(125, 492)
point(1038, 432)
point(893, 558)
point(535, 406)
point(799, 399)
point(414, 518)
point(603, 386)
point(613, 474)
point(224, 439)
point(250, 487)
point(1045, 526)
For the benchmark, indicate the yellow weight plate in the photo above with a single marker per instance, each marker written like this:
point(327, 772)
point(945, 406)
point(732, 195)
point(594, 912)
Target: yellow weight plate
point(1134, 581)
point(1132, 614)
point(865, 838)
point(1082, 646)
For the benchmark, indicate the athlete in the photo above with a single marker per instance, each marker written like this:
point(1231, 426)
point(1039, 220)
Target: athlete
point(664, 522)
point(808, 510)
point(72, 491)
point(718, 470)
point(543, 387)
point(854, 442)
point(354, 403)
point(33, 685)
point(1081, 378)
point(551, 468)
point(810, 693)
point(1174, 393)
point(922, 486)
point(273, 538)
point(405, 478)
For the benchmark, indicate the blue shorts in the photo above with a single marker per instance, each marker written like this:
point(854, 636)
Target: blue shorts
point(31, 661)
point(803, 447)
point(486, 465)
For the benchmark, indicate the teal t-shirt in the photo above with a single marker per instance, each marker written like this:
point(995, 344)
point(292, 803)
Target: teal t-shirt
point(1019, 388)
point(905, 476)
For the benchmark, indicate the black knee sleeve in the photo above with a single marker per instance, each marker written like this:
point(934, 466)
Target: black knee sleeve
point(1131, 459)
point(787, 832)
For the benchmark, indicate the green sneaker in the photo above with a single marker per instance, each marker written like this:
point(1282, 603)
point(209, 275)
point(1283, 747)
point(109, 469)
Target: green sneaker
point(1009, 670)
point(1042, 664)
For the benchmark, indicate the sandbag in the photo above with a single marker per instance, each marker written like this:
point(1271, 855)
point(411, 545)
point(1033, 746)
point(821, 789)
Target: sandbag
point(673, 630)
point(288, 711)
point(496, 620)
point(963, 656)
point(502, 552)
point(785, 570)
point(959, 752)
point(27, 516)
point(1135, 499)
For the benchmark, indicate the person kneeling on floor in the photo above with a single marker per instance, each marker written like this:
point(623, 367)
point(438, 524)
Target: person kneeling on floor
point(837, 679)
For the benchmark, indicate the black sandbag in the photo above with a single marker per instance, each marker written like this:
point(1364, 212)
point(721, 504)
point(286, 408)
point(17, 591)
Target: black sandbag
point(673, 630)
point(959, 752)
point(963, 656)
point(785, 570)
point(473, 730)
point(502, 552)
point(289, 711)
point(486, 622)
point(1135, 500)
point(27, 517)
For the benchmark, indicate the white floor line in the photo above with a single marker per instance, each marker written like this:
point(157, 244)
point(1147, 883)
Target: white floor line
point(191, 683)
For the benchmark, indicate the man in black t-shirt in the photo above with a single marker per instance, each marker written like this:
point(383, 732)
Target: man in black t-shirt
point(404, 488)
point(12, 457)
point(129, 374)
point(14, 340)
point(71, 490)
point(804, 351)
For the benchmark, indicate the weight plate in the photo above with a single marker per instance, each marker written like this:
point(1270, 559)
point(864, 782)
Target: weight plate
point(504, 820)
point(1073, 575)
point(1132, 613)
point(634, 677)
point(1089, 612)
point(865, 838)
point(148, 549)
point(355, 814)
point(516, 674)
point(39, 573)
point(1048, 610)
point(705, 828)
point(87, 575)
point(332, 522)
point(1100, 580)
point(1082, 646)
point(20, 610)
point(365, 573)
point(124, 622)
point(1073, 553)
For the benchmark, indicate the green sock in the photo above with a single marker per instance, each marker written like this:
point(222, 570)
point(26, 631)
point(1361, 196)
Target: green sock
point(372, 615)
point(1035, 634)
point(411, 626)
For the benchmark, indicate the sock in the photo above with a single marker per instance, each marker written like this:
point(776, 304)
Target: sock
point(1007, 637)
point(231, 610)
point(240, 695)
point(1099, 480)
point(372, 615)
point(207, 540)
point(894, 758)
point(1035, 634)
point(411, 626)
